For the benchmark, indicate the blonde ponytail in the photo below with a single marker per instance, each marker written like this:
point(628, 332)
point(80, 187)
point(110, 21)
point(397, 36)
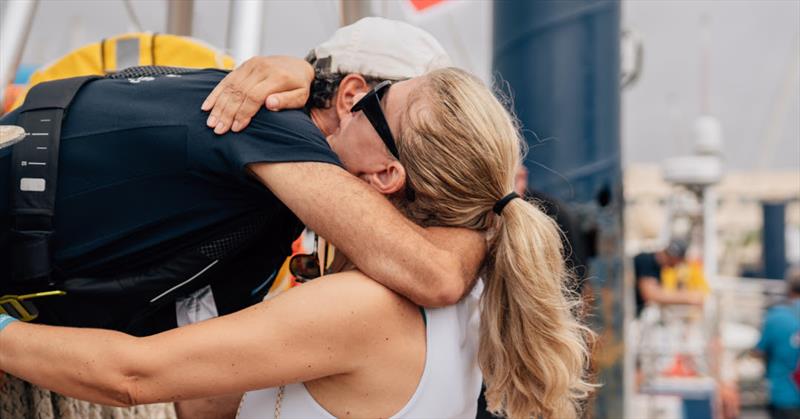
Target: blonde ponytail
point(461, 149)
point(532, 350)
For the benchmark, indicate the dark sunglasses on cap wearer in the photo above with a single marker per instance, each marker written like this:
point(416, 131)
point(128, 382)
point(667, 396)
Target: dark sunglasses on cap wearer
point(370, 104)
point(306, 267)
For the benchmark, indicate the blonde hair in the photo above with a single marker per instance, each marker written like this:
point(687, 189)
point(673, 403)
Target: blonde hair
point(461, 148)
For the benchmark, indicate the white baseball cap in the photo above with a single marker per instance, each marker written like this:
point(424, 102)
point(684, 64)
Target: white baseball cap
point(380, 48)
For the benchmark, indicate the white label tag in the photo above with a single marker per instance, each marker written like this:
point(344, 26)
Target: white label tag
point(29, 184)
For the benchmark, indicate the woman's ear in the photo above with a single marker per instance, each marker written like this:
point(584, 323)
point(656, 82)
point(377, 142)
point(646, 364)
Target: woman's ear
point(389, 180)
point(351, 89)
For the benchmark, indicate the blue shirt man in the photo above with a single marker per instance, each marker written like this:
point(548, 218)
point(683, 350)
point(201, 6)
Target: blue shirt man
point(780, 346)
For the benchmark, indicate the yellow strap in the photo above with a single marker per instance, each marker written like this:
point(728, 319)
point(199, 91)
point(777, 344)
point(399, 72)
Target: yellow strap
point(16, 302)
point(41, 294)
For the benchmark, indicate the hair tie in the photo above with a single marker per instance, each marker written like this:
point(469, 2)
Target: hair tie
point(502, 202)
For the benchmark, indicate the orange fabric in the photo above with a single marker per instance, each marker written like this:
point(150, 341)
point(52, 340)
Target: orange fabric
point(420, 5)
point(12, 93)
point(681, 367)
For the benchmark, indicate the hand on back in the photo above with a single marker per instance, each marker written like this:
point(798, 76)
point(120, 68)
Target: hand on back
point(277, 82)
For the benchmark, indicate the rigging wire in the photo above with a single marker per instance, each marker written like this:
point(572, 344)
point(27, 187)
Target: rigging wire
point(132, 15)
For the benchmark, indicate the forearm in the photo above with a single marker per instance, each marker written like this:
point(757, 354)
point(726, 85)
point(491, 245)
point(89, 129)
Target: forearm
point(676, 297)
point(87, 364)
point(208, 359)
point(688, 297)
point(467, 248)
point(414, 266)
point(221, 356)
point(221, 407)
point(431, 267)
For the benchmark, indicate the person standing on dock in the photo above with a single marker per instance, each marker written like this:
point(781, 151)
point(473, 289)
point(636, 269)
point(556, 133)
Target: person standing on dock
point(780, 347)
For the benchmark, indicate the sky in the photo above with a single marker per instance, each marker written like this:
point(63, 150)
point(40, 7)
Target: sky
point(753, 60)
point(753, 88)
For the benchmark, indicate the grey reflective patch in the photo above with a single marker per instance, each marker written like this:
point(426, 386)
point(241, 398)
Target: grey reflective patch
point(28, 184)
point(196, 307)
point(127, 53)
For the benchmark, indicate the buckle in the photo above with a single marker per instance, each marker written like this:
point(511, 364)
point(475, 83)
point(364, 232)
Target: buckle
point(18, 307)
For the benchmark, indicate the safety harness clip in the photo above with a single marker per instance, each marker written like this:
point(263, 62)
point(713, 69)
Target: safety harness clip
point(19, 307)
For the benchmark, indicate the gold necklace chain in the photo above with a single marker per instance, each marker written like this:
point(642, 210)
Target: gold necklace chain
point(241, 403)
point(278, 400)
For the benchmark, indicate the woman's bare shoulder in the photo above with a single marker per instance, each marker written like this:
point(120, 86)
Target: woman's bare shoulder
point(355, 289)
point(354, 301)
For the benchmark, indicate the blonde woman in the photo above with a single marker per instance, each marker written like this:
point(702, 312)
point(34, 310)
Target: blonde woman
point(445, 151)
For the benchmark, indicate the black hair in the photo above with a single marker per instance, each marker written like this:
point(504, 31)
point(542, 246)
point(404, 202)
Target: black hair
point(677, 248)
point(326, 83)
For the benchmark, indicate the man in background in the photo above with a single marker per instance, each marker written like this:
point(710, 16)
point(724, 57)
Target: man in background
point(780, 347)
point(648, 267)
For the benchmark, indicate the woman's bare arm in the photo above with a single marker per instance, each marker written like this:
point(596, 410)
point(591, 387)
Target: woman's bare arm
point(315, 330)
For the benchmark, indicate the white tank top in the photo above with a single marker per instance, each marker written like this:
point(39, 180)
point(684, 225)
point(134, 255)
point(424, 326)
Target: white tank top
point(449, 386)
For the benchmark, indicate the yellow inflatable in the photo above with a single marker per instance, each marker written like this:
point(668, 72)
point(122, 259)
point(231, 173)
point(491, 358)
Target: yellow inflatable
point(133, 49)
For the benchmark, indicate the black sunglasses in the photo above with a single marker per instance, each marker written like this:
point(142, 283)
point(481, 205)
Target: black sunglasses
point(306, 267)
point(370, 104)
